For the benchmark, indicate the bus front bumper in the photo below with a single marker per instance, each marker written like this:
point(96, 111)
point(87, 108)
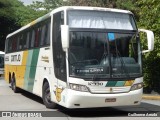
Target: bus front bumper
point(77, 99)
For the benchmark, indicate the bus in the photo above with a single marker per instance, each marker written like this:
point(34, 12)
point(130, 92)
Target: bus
point(1, 63)
point(79, 57)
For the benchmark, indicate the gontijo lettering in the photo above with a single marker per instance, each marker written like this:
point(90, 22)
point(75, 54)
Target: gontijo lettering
point(15, 58)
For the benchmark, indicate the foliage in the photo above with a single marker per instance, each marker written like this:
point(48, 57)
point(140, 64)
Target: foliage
point(13, 15)
point(26, 14)
point(150, 19)
point(47, 5)
point(7, 21)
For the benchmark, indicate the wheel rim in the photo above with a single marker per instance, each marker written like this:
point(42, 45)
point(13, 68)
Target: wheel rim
point(47, 96)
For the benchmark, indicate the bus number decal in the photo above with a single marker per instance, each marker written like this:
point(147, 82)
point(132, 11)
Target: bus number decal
point(95, 83)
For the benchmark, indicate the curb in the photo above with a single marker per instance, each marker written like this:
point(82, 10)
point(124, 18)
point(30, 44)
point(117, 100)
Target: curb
point(150, 97)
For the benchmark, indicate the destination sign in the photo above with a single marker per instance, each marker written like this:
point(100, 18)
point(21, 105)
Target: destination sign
point(90, 70)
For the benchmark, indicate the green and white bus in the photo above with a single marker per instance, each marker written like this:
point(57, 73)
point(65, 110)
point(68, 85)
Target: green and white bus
point(79, 57)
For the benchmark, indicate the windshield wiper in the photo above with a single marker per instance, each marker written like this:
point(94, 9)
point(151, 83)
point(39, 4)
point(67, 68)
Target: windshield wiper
point(104, 57)
point(123, 66)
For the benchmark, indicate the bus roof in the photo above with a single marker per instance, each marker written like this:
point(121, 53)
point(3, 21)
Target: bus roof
point(68, 8)
point(91, 8)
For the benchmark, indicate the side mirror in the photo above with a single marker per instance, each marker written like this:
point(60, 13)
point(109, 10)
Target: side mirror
point(65, 37)
point(150, 39)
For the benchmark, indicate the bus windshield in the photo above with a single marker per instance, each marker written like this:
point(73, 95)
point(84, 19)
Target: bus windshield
point(100, 20)
point(104, 54)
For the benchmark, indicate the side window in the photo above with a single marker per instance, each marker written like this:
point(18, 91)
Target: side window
point(48, 34)
point(6, 45)
point(21, 41)
point(10, 45)
point(25, 41)
point(28, 35)
point(32, 39)
point(36, 42)
point(45, 34)
point(14, 43)
point(58, 53)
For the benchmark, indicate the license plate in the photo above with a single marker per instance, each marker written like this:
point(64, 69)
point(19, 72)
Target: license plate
point(110, 100)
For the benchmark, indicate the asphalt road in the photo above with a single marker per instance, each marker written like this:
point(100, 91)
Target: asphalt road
point(27, 102)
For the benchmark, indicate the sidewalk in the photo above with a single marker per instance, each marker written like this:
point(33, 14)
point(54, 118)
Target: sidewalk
point(151, 96)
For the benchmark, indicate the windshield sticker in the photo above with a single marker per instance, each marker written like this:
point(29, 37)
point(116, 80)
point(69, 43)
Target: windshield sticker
point(111, 36)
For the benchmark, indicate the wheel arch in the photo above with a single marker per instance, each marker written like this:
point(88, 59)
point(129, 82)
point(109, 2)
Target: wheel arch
point(45, 80)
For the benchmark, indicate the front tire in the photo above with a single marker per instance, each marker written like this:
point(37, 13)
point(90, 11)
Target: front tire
point(46, 96)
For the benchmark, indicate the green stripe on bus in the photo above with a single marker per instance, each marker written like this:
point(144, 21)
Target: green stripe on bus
point(31, 69)
point(111, 83)
point(28, 64)
point(120, 83)
point(115, 83)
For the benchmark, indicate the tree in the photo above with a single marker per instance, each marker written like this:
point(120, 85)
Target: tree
point(96, 3)
point(47, 5)
point(7, 21)
point(13, 15)
point(149, 18)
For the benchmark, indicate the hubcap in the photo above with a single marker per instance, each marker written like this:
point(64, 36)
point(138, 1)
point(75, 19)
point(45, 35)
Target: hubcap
point(47, 95)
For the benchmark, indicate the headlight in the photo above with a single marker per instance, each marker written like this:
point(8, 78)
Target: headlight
point(77, 87)
point(136, 86)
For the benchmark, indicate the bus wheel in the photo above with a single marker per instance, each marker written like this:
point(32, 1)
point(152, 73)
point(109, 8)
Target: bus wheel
point(46, 96)
point(13, 85)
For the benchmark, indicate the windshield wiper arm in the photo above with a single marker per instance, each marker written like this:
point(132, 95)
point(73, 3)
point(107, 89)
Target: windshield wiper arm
point(123, 65)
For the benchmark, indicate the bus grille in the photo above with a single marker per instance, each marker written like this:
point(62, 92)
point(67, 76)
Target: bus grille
point(109, 90)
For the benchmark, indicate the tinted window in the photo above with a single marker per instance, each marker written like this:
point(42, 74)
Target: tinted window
point(33, 37)
point(58, 53)
point(10, 45)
